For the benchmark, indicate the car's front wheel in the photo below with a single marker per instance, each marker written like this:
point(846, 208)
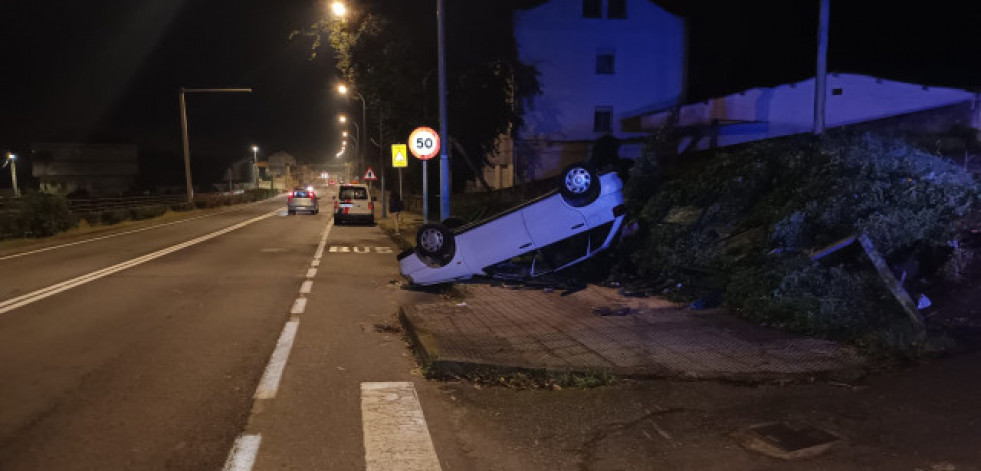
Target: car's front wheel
point(435, 244)
point(580, 185)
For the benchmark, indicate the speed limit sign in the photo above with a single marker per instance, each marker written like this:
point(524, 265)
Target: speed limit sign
point(424, 143)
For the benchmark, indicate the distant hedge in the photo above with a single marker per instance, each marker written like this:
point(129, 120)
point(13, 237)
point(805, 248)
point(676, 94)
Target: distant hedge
point(37, 215)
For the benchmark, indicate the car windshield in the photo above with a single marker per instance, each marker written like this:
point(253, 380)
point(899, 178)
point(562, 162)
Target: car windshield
point(353, 193)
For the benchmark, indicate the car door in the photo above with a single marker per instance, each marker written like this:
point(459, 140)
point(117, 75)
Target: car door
point(551, 220)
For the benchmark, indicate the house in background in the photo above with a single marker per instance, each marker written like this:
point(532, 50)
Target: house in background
point(96, 169)
point(855, 101)
point(599, 61)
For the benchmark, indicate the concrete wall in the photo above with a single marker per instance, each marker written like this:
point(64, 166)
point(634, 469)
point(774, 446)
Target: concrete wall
point(762, 113)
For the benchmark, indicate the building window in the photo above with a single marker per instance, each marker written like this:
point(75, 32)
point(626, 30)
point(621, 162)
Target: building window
point(605, 63)
point(603, 119)
point(837, 91)
point(616, 9)
point(592, 8)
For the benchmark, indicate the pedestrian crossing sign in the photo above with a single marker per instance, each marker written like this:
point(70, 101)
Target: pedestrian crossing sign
point(370, 175)
point(399, 158)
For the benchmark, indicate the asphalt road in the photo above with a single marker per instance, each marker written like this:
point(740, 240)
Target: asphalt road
point(155, 364)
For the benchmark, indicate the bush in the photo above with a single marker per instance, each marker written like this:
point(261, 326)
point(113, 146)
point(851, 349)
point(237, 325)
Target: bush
point(39, 215)
point(749, 217)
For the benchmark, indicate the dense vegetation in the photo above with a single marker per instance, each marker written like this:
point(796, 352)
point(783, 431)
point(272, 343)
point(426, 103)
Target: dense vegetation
point(739, 226)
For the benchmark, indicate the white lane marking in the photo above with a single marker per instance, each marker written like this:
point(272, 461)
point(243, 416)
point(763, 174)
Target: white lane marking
point(61, 246)
point(311, 273)
point(242, 456)
point(37, 295)
point(269, 384)
point(306, 287)
point(395, 432)
point(299, 306)
point(315, 263)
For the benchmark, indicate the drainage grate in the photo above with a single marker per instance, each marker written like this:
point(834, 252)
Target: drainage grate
point(786, 440)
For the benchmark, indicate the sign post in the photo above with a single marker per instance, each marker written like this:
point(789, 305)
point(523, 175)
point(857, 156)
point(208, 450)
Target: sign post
point(369, 176)
point(424, 144)
point(400, 161)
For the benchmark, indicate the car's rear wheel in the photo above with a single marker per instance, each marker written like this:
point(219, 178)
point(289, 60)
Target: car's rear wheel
point(435, 244)
point(290, 212)
point(580, 185)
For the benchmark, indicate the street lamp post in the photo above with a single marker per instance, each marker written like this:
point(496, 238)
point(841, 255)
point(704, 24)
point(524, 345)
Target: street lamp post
point(357, 131)
point(444, 160)
point(184, 138)
point(343, 90)
point(12, 160)
point(255, 166)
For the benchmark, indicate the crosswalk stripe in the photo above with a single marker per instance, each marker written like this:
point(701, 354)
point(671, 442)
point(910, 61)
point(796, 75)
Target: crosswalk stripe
point(395, 432)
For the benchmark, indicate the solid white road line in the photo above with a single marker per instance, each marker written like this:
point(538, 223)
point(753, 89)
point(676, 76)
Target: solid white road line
point(242, 456)
point(299, 306)
point(60, 246)
point(269, 384)
point(306, 287)
point(395, 432)
point(37, 295)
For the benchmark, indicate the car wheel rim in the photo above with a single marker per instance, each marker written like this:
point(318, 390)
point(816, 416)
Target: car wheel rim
point(578, 180)
point(431, 240)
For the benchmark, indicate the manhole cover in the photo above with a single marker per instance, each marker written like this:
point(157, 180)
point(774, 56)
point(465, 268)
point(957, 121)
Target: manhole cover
point(786, 440)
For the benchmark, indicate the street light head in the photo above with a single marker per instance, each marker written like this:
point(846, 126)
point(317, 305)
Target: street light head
point(11, 156)
point(342, 118)
point(342, 89)
point(344, 133)
point(255, 148)
point(339, 9)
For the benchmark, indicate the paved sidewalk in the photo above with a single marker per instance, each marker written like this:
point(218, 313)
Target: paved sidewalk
point(596, 330)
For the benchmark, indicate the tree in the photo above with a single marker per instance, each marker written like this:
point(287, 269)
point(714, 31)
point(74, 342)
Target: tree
point(388, 52)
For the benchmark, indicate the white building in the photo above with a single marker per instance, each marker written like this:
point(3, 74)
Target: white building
point(599, 61)
point(852, 100)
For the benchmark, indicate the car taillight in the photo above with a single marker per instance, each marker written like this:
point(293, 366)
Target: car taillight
point(289, 196)
point(313, 195)
point(336, 205)
point(619, 210)
point(371, 206)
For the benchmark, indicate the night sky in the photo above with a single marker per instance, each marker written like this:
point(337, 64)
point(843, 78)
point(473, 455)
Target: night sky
point(110, 70)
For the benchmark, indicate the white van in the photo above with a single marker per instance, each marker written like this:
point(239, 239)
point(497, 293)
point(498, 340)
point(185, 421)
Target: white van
point(354, 203)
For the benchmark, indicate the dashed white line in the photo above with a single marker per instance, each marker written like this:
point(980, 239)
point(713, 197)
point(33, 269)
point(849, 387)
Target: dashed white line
point(395, 432)
point(243, 454)
point(311, 273)
point(306, 287)
point(299, 306)
point(315, 263)
point(37, 295)
point(269, 384)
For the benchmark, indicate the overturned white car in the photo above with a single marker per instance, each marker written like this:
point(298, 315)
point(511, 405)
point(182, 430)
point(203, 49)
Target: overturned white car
point(547, 234)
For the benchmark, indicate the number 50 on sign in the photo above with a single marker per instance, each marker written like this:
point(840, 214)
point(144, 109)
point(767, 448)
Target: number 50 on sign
point(424, 143)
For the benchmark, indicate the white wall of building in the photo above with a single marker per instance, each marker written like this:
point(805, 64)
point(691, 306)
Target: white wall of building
point(649, 66)
point(763, 113)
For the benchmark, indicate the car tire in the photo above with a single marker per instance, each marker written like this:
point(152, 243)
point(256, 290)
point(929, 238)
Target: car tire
point(316, 211)
point(580, 185)
point(435, 244)
point(290, 212)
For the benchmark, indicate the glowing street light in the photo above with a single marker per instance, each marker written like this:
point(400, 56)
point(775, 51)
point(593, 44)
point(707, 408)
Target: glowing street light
point(344, 90)
point(12, 160)
point(339, 9)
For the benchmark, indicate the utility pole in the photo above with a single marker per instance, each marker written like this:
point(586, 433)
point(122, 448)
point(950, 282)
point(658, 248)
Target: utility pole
point(821, 77)
point(444, 160)
point(187, 146)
